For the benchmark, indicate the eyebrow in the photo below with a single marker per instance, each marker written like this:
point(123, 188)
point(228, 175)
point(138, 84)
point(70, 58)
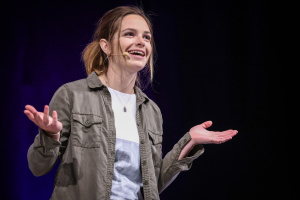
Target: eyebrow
point(132, 29)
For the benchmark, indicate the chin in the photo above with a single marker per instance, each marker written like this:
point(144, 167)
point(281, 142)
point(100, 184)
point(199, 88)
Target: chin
point(137, 66)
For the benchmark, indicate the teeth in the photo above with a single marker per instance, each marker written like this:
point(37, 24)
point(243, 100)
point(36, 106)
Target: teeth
point(136, 52)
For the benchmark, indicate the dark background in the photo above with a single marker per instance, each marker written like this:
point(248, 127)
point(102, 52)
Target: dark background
point(217, 60)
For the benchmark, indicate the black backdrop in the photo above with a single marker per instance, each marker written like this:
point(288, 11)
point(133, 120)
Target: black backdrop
point(217, 60)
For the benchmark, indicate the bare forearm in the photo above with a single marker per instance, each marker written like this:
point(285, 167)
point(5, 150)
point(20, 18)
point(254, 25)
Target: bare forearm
point(186, 149)
point(171, 166)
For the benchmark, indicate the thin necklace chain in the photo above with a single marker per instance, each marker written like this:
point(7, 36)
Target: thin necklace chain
point(124, 108)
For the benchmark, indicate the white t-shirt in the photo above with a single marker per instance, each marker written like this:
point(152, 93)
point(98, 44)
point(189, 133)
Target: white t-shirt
point(127, 180)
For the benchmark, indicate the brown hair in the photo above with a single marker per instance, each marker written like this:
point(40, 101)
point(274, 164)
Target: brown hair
point(93, 56)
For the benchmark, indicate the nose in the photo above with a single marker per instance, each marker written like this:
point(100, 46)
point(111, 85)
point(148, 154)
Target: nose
point(140, 41)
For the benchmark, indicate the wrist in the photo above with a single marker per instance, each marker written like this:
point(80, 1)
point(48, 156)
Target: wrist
point(193, 141)
point(48, 133)
point(55, 136)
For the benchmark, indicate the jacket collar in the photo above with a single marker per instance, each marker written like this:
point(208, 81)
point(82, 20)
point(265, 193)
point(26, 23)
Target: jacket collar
point(141, 97)
point(94, 83)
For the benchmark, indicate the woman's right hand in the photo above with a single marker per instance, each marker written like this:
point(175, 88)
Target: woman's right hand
point(44, 121)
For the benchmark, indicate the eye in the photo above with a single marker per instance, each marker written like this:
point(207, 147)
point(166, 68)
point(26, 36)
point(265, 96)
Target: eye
point(128, 34)
point(147, 37)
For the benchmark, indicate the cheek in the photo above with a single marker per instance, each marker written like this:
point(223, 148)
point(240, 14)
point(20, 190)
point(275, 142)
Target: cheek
point(125, 43)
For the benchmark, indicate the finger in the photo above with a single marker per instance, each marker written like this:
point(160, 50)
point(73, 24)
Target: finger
point(233, 132)
point(222, 139)
point(29, 115)
point(219, 141)
point(226, 133)
point(46, 115)
point(206, 124)
point(38, 118)
point(217, 136)
point(54, 117)
point(31, 109)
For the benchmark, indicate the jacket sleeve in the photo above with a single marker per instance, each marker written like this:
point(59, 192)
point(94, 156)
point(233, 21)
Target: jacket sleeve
point(43, 153)
point(171, 166)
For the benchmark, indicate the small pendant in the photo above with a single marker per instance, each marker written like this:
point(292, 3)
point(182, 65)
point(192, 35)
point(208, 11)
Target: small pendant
point(125, 109)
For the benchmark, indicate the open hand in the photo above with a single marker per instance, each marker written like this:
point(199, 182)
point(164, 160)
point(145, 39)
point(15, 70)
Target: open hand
point(200, 135)
point(43, 120)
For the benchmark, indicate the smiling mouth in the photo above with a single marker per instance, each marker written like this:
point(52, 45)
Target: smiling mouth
point(137, 53)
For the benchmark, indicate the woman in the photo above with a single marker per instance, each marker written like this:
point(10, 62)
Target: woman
point(105, 130)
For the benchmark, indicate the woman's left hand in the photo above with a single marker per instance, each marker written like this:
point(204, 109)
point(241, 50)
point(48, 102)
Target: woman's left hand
point(200, 135)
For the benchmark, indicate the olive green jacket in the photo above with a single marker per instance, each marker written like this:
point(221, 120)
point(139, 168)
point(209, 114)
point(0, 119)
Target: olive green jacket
point(87, 144)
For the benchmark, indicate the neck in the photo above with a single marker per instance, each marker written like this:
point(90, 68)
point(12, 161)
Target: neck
point(119, 80)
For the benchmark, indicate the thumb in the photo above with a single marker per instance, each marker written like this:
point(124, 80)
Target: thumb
point(206, 124)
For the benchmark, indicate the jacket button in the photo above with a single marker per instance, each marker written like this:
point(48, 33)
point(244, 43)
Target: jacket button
point(142, 141)
point(138, 124)
point(146, 182)
point(87, 122)
point(110, 173)
point(144, 162)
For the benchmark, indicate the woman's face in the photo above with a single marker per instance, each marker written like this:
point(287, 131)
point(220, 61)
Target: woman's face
point(135, 38)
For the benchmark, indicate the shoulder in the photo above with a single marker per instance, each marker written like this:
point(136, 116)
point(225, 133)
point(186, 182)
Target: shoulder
point(153, 116)
point(154, 106)
point(67, 90)
point(92, 82)
point(76, 85)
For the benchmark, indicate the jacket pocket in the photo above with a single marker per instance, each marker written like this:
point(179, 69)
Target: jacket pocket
point(86, 130)
point(155, 145)
point(154, 137)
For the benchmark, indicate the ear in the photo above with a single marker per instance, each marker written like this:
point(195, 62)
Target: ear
point(104, 46)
